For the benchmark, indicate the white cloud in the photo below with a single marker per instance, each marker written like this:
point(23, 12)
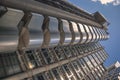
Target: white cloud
point(114, 2)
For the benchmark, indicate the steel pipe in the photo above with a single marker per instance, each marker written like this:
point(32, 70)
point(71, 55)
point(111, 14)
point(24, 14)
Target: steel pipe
point(35, 30)
point(67, 32)
point(76, 32)
point(8, 30)
point(37, 7)
point(54, 32)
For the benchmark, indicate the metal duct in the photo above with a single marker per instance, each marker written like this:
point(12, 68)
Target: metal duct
point(93, 34)
point(84, 35)
point(67, 32)
point(89, 35)
point(35, 30)
point(76, 32)
point(97, 36)
point(54, 32)
point(9, 31)
point(37, 7)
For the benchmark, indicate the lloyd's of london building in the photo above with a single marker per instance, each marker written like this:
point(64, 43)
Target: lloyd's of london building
point(50, 40)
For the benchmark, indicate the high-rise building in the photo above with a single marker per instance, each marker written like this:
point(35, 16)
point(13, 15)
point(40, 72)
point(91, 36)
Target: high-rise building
point(113, 72)
point(50, 40)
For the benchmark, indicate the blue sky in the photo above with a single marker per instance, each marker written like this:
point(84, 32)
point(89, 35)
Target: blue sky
point(111, 11)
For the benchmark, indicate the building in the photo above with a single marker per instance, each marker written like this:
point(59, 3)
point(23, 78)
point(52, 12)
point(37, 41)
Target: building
point(50, 40)
point(113, 72)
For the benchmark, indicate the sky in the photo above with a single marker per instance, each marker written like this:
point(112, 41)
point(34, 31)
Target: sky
point(111, 11)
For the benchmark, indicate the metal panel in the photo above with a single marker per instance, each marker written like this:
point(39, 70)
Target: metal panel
point(8, 30)
point(68, 35)
point(84, 35)
point(98, 33)
point(89, 34)
point(97, 36)
point(76, 31)
point(35, 29)
point(100, 36)
point(54, 32)
point(104, 34)
point(93, 34)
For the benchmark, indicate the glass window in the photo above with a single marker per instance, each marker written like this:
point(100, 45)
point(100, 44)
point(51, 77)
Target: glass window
point(96, 76)
point(92, 60)
point(99, 57)
point(100, 70)
point(77, 69)
point(59, 52)
point(84, 66)
point(48, 75)
point(9, 64)
point(98, 73)
point(67, 69)
point(67, 51)
point(39, 77)
point(56, 74)
point(73, 50)
point(80, 49)
point(95, 57)
point(47, 56)
point(88, 63)
point(101, 54)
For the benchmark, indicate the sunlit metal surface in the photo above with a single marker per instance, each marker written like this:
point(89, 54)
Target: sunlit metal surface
point(93, 34)
point(98, 33)
point(89, 34)
point(104, 34)
point(84, 35)
point(97, 36)
point(68, 35)
point(35, 29)
point(76, 31)
point(9, 31)
point(54, 32)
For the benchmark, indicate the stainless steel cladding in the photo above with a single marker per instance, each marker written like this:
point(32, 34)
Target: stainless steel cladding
point(76, 32)
point(93, 34)
point(8, 30)
point(54, 32)
point(89, 35)
point(35, 30)
point(67, 32)
point(84, 34)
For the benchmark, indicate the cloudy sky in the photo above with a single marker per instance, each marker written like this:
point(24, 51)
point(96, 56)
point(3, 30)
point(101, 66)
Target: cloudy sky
point(111, 10)
point(105, 2)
